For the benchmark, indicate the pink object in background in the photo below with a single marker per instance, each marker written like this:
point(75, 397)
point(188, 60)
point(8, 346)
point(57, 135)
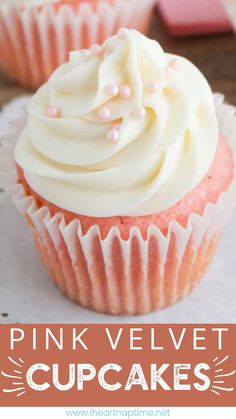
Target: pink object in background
point(230, 7)
point(35, 40)
point(194, 17)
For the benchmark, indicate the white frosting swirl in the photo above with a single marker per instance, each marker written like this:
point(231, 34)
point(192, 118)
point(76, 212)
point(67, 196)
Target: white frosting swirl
point(159, 157)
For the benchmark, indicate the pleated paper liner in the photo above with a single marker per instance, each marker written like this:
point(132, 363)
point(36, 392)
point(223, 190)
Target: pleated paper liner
point(114, 275)
point(34, 40)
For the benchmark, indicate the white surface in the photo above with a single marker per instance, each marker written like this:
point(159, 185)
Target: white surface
point(28, 295)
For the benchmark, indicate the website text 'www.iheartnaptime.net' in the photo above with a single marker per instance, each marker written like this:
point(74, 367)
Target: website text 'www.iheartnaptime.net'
point(116, 413)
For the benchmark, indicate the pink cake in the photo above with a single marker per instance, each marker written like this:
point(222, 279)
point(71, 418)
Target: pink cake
point(74, 280)
point(216, 181)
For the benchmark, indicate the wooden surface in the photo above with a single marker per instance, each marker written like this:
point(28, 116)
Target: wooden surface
point(214, 55)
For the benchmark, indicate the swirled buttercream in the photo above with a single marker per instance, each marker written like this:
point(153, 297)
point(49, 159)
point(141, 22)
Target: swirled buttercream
point(120, 129)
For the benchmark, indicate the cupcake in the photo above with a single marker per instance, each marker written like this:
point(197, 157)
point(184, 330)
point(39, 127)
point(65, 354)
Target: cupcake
point(125, 175)
point(37, 35)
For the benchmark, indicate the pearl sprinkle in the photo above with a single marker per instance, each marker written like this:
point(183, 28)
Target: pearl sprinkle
point(112, 90)
point(153, 86)
point(172, 66)
point(140, 112)
point(95, 50)
point(104, 113)
point(125, 91)
point(122, 33)
point(113, 135)
point(53, 112)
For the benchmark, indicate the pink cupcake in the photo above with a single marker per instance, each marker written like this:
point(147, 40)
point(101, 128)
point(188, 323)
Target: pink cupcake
point(125, 174)
point(37, 35)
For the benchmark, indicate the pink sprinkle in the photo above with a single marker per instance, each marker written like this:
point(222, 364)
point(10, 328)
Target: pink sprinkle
point(104, 113)
point(112, 90)
point(122, 33)
point(125, 91)
point(95, 50)
point(113, 135)
point(172, 66)
point(153, 86)
point(53, 112)
point(140, 112)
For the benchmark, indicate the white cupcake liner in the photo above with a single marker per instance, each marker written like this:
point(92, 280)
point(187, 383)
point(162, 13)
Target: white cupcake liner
point(114, 275)
point(35, 40)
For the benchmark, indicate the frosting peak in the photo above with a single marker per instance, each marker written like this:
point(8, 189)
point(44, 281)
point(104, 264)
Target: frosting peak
point(121, 129)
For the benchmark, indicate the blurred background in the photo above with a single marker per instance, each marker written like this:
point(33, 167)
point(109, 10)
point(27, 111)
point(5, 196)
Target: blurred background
point(200, 30)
